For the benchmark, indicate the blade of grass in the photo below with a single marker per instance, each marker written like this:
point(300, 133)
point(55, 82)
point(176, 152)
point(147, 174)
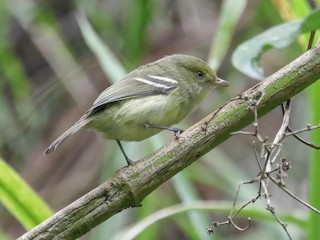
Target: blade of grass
point(20, 200)
point(217, 206)
point(136, 30)
point(150, 205)
point(314, 179)
point(187, 193)
point(111, 66)
point(230, 14)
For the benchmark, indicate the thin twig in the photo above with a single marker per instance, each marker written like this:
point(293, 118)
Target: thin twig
point(284, 225)
point(256, 156)
point(294, 196)
point(237, 194)
point(295, 134)
point(270, 153)
point(307, 129)
point(239, 228)
point(253, 200)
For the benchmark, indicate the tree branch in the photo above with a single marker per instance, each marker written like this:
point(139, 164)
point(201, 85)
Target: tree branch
point(130, 185)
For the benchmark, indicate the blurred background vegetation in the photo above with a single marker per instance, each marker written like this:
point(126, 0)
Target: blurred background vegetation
point(49, 77)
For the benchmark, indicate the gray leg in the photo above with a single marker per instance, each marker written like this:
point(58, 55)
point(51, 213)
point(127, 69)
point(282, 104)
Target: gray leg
point(177, 131)
point(129, 161)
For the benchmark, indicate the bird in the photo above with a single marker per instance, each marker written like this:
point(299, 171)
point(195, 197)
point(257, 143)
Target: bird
point(149, 99)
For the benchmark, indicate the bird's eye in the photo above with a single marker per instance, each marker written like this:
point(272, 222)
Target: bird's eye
point(199, 74)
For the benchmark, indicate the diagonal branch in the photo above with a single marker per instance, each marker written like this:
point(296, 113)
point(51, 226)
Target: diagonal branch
point(130, 185)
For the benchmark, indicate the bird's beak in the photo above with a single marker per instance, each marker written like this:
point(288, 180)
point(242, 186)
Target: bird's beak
point(221, 82)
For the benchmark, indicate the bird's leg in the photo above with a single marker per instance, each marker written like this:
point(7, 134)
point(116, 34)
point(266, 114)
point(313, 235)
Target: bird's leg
point(177, 131)
point(129, 161)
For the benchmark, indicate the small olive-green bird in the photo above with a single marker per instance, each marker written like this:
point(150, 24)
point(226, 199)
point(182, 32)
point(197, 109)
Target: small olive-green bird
point(148, 100)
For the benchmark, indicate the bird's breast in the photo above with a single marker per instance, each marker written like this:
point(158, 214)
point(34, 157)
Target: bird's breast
point(127, 120)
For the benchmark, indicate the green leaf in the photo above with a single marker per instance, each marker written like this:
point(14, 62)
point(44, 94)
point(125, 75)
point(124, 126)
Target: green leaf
point(19, 199)
point(246, 58)
point(311, 22)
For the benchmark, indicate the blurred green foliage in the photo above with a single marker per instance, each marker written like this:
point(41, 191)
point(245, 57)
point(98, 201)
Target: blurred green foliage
point(49, 77)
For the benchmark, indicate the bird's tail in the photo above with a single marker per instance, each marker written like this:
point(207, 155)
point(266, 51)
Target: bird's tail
point(75, 128)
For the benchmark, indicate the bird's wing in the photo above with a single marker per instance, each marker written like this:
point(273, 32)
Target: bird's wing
point(133, 87)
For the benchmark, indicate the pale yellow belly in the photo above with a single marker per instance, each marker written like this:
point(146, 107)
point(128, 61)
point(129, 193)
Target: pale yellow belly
point(127, 120)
